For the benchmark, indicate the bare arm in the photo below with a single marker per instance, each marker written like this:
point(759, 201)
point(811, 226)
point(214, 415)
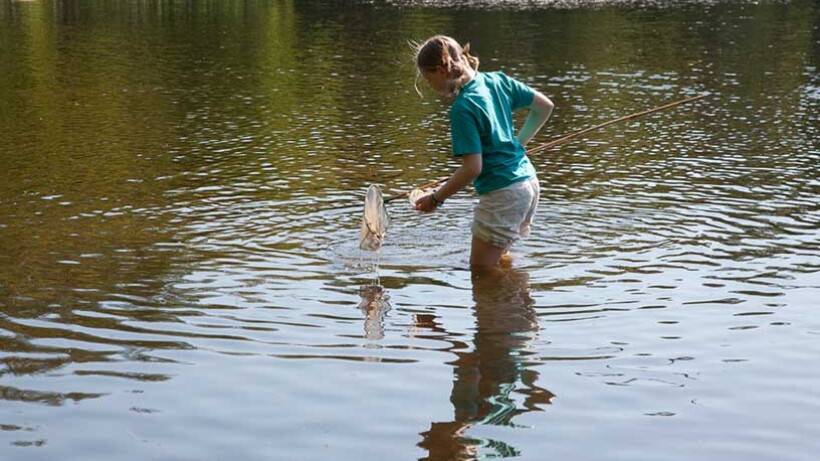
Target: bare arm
point(540, 111)
point(470, 168)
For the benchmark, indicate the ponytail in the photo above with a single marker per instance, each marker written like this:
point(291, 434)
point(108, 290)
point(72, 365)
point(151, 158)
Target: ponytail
point(472, 61)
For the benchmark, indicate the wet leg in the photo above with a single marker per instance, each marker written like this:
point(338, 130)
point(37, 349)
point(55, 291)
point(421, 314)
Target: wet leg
point(484, 257)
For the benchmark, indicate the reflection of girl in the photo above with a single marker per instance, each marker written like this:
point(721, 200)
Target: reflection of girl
point(492, 155)
point(487, 376)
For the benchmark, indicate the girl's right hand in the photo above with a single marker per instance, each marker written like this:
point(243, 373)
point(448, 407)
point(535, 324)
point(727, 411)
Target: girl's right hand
point(426, 204)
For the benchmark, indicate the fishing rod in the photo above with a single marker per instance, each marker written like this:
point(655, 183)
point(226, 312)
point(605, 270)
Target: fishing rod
point(569, 137)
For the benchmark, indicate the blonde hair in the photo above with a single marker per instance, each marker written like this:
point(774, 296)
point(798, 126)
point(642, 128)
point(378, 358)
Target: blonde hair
point(444, 51)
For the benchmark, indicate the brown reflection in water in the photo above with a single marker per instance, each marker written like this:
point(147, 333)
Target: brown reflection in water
point(495, 368)
point(374, 305)
point(14, 394)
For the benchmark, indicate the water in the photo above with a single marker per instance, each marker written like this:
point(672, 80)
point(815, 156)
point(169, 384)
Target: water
point(181, 188)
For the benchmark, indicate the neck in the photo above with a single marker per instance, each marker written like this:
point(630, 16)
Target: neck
point(466, 77)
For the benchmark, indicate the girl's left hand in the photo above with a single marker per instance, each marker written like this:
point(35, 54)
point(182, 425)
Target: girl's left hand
point(426, 204)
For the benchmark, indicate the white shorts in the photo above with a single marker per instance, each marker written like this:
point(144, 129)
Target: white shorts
point(505, 215)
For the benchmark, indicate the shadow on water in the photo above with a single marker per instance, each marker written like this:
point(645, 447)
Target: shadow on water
point(488, 374)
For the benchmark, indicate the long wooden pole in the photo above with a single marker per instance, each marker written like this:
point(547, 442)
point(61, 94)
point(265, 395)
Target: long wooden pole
point(612, 122)
point(422, 187)
point(570, 136)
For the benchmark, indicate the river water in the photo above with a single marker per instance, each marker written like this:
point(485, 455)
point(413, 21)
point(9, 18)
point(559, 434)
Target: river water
point(181, 188)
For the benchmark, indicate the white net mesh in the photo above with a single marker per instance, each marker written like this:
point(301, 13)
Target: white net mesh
point(375, 220)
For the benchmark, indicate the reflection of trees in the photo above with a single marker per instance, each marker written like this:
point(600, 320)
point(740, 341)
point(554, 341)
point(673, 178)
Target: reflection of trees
point(104, 109)
point(487, 376)
point(82, 132)
point(13, 394)
point(94, 134)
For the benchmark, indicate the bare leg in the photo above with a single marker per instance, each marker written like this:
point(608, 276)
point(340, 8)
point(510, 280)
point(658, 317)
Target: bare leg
point(484, 256)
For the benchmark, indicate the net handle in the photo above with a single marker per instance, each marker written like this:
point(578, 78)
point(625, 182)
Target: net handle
point(422, 187)
point(569, 137)
point(612, 122)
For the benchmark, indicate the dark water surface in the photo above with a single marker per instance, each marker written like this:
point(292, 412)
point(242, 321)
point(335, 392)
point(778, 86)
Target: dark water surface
point(181, 187)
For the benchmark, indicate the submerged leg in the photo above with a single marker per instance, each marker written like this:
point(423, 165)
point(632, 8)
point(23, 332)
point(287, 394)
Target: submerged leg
point(484, 256)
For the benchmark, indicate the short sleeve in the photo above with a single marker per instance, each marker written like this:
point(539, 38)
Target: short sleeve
point(464, 132)
point(521, 95)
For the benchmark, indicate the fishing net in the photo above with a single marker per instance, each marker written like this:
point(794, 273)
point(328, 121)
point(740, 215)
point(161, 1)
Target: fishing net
point(375, 220)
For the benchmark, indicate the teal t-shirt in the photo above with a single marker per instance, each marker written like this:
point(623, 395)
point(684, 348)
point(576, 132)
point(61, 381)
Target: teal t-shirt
point(481, 123)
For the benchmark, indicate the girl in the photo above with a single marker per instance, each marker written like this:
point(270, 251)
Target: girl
point(492, 156)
